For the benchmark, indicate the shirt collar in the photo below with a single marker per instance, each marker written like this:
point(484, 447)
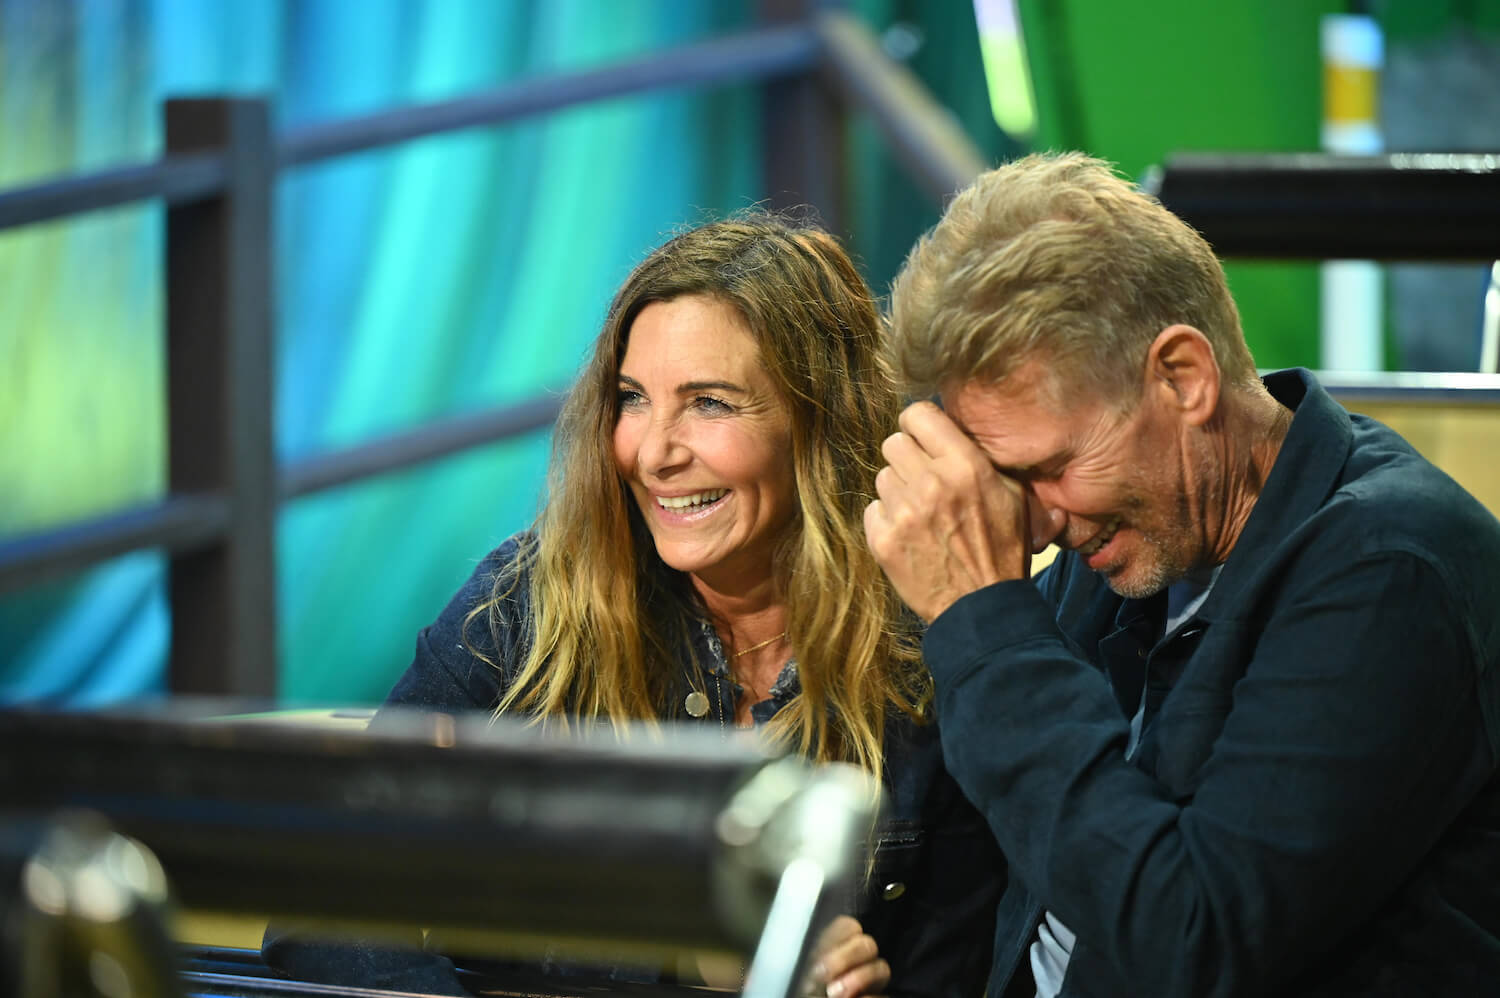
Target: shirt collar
point(1308, 469)
point(716, 663)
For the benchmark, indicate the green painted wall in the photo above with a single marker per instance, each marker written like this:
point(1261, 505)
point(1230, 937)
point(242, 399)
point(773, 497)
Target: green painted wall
point(1133, 83)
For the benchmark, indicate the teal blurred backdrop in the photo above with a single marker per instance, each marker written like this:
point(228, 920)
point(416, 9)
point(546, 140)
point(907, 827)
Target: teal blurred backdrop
point(450, 274)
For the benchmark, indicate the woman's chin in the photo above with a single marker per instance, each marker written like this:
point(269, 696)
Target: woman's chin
point(691, 562)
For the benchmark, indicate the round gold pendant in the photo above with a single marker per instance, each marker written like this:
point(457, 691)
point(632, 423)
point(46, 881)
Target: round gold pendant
point(696, 703)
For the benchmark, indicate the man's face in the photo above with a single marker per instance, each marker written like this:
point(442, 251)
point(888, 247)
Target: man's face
point(1112, 486)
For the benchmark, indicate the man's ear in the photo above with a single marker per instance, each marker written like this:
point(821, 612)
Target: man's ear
point(1181, 370)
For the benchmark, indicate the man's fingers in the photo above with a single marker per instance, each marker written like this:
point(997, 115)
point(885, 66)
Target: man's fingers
point(877, 522)
point(905, 455)
point(945, 522)
point(930, 443)
point(888, 482)
point(933, 430)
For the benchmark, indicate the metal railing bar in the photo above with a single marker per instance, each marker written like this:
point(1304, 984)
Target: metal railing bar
point(176, 523)
point(752, 55)
point(433, 440)
point(1322, 206)
point(190, 522)
point(923, 135)
point(1448, 388)
point(175, 179)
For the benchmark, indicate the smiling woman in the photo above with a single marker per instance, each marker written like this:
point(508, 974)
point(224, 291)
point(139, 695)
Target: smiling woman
point(703, 442)
point(712, 473)
point(701, 558)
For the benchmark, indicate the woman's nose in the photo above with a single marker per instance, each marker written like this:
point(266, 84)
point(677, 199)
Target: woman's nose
point(662, 446)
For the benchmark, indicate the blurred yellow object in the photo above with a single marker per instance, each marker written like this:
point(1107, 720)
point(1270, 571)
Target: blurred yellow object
point(322, 717)
point(1349, 93)
point(207, 929)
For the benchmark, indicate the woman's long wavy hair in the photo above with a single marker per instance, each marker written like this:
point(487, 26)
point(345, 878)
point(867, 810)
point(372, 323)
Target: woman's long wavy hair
point(610, 619)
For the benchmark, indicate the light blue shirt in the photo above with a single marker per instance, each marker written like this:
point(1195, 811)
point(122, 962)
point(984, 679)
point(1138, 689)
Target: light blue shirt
point(1054, 940)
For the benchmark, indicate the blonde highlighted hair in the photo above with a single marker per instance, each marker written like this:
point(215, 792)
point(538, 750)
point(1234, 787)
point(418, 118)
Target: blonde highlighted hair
point(1056, 258)
point(611, 621)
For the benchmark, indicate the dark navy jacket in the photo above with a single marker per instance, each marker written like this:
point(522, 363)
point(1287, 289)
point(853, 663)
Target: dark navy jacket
point(1314, 807)
point(930, 903)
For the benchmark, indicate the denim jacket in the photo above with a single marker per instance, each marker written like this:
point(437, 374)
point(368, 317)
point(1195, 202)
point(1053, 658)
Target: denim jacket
point(930, 903)
point(1314, 807)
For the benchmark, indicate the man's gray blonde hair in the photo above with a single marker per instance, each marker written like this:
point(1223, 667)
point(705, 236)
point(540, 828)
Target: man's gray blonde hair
point(1055, 257)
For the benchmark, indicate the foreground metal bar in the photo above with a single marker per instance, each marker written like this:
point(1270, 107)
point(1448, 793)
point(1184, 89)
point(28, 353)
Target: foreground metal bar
point(1409, 206)
point(217, 972)
point(776, 970)
point(89, 899)
point(177, 524)
point(434, 440)
point(489, 834)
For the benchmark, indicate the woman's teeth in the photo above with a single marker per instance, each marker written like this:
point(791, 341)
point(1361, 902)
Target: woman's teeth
point(688, 502)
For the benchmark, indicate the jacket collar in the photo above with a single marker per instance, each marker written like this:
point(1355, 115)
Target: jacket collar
point(1307, 470)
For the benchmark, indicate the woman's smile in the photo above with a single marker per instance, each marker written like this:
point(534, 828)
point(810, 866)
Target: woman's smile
point(703, 440)
point(693, 507)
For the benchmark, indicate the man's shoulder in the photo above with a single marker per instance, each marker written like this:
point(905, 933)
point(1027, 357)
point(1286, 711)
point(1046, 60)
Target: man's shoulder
point(1359, 487)
point(1391, 497)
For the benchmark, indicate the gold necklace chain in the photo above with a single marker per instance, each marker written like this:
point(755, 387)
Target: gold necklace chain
point(696, 702)
point(758, 647)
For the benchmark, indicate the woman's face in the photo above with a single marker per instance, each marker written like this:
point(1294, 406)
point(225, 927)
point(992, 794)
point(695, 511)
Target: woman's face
point(704, 441)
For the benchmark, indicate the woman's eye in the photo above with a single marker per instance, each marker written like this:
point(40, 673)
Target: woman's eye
point(629, 398)
point(712, 406)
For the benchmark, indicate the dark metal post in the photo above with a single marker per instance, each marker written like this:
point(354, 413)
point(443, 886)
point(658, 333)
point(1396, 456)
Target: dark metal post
point(219, 322)
point(802, 128)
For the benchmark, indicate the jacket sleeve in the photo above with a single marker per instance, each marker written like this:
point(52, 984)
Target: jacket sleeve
point(449, 671)
point(1351, 740)
point(931, 894)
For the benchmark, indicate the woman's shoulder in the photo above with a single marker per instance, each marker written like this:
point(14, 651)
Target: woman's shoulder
point(463, 656)
point(502, 572)
point(511, 554)
point(505, 567)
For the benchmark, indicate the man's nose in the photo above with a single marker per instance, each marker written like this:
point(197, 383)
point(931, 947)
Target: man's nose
point(1047, 521)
